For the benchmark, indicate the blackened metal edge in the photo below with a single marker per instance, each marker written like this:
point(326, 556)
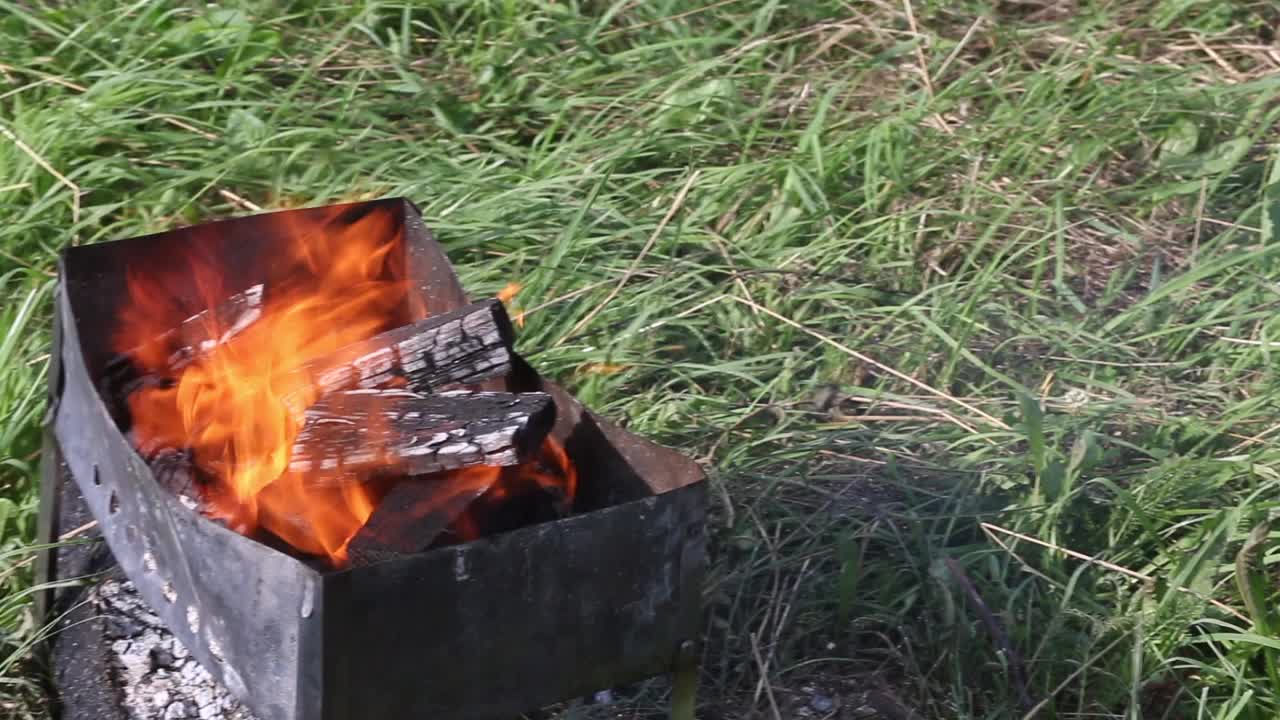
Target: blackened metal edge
point(435, 288)
point(313, 671)
point(77, 651)
point(98, 279)
point(630, 457)
point(47, 531)
point(520, 620)
point(232, 602)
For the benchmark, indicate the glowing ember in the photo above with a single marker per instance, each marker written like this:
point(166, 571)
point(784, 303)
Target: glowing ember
point(550, 473)
point(509, 291)
point(341, 282)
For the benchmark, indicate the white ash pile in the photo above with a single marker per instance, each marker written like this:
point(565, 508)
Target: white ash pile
point(159, 680)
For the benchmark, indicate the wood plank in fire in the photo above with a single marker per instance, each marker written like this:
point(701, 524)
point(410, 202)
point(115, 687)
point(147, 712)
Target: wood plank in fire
point(462, 347)
point(350, 435)
point(199, 334)
point(412, 515)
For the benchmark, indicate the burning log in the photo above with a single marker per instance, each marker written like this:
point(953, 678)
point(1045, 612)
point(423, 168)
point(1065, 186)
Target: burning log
point(192, 339)
point(231, 317)
point(199, 334)
point(348, 433)
point(175, 472)
point(470, 344)
point(353, 434)
point(414, 513)
point(417, 513)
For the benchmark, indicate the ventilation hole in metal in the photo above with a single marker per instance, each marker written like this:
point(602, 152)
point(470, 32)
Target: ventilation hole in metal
point(113, 503)
point(131, 533)
point(193, 619)
point(148, 562)
point(170, 595)
point(60, 381)
point(97, 478)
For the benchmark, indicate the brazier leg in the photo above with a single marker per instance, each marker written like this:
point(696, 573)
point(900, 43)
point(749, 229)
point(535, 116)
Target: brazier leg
point(51, 479)
point(684, 683)
point(53, 473)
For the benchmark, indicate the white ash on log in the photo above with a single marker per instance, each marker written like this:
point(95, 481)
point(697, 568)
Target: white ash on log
point(462, 347)
point(412, 515)
point(348, 435)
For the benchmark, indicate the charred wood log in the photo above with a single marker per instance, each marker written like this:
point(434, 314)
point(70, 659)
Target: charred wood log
point(199, 334)
point(352, 434)
point(462, 347)
point(522, 503)
point(412, 515)
point(181, 346)
point(175, 471)
point(203, 332)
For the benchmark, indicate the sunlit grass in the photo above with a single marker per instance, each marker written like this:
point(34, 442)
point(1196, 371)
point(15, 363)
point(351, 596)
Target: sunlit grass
point(905, 292)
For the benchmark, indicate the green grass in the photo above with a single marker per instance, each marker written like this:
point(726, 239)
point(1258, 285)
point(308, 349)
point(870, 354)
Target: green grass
point(924, 296)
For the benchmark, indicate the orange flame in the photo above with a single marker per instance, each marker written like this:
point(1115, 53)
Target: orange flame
point(339, 282)
point(509, 291)
point(507, 294)
point(228, 406)
point(550, 472)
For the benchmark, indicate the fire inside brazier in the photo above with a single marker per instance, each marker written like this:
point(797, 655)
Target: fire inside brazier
point(333, 480)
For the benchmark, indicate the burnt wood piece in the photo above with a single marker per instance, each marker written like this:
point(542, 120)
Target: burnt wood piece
point(461, 347)
point(351, 434)
point(175, 471)
point(191, 339)
point(523, 503)
point(412, 515)
point(199, 334)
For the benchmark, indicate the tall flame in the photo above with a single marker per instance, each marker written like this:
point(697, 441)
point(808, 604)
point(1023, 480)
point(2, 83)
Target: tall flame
point(338, 281)
point(337, 286)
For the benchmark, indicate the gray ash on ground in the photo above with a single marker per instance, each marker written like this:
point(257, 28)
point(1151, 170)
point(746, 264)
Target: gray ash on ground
point(158, 679)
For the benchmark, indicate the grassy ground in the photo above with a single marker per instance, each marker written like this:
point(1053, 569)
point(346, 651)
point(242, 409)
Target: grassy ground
point(969, 307)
